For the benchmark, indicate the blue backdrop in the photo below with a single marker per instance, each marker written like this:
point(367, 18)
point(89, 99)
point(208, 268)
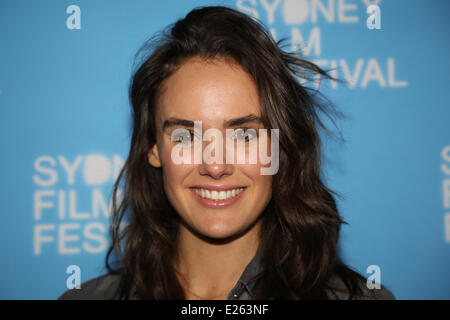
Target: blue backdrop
point(64, 71)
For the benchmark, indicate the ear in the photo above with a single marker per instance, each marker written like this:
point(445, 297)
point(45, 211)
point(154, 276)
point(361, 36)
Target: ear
point(153, 157)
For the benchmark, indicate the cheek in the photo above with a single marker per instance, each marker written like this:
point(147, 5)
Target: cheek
point(173, 173)
point(262, 183)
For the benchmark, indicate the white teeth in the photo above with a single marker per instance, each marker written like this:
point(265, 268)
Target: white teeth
point(218, 195)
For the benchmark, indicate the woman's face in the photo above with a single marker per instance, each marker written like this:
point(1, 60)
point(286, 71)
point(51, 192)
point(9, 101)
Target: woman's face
point(215, 94)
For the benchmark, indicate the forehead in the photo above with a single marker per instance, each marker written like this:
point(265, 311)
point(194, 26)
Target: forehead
point(211, 91)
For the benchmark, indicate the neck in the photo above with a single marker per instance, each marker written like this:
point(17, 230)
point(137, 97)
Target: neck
point(209, 268)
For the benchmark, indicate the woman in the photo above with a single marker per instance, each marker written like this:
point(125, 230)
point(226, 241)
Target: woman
point(221, 229)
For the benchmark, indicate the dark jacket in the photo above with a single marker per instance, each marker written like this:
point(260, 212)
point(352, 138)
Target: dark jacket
point(105, 287)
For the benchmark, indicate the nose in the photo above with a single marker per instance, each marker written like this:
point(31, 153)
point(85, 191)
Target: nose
point(215, 167)
point(215, 170)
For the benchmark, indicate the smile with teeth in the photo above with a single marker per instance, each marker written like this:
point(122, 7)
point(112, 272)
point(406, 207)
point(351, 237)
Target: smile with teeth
point(218, 195)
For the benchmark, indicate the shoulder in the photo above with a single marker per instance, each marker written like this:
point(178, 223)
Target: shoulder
point(340, 291)
point(101, 288)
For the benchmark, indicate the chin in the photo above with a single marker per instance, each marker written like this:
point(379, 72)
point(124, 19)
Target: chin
point(221, 232)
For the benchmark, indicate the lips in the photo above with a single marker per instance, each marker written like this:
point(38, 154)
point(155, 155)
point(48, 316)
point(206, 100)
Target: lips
point(221, 187)
point(219, 196)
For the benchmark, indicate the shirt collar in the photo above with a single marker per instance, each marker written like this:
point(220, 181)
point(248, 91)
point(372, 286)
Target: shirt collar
point(243, 289)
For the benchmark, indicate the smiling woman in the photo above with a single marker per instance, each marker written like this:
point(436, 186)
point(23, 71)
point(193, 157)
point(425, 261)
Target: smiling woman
point(221, 229)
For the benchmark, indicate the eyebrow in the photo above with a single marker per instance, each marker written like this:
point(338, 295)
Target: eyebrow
point(229, 123)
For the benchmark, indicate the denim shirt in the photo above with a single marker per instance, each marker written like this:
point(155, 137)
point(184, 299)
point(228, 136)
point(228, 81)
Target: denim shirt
point(104, 287)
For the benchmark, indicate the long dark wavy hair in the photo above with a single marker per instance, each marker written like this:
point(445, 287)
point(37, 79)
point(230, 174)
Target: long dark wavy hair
point(301, 223)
